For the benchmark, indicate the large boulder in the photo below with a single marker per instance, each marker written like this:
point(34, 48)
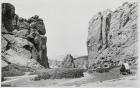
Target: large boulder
point(20, 51)
point(112, 36)
point(19, 56)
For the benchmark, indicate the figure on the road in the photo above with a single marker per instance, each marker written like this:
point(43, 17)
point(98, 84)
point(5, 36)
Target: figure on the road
point(125, 68)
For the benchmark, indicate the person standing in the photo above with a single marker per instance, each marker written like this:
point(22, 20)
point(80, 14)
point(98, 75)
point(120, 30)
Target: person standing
point(125, 68)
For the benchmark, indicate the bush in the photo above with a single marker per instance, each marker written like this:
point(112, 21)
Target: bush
point(44, 75)
point(12, 73)
point(2, 78)
point(17, 67)
point(59, 73)
point(15, 70)
point(101, 70)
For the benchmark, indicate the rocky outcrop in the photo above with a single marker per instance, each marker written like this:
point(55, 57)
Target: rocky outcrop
point(8, 14)
point(68, 62)
point(113, 36)
point(71, 62)
point(23, 40)
point(37, 23)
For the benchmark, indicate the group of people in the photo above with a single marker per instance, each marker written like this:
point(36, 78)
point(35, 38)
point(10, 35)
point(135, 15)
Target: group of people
point(125, 68)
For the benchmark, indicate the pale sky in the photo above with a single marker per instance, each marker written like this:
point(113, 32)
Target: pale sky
point(66, 21)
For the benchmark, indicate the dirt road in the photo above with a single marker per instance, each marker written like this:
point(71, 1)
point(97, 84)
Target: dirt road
point(109, 79)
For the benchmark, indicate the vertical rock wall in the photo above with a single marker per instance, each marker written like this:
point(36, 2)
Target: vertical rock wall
point(110, 34)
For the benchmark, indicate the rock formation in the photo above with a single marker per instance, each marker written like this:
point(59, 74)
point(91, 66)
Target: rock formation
point(8, 14)
point(23, 40)
point(113, 36)
point(68, 62)
point(71, 62)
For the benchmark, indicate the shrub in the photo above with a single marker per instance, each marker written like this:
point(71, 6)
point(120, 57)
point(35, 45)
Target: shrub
point(2, 78)
point(15, 70)
point(17, 67)
point(43, 75)
point(12, 73)
point(59, 73)
point(101, 70)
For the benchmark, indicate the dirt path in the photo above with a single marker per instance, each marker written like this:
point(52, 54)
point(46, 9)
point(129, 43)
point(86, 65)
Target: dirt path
point(111, 78)
point(130, 81)
point(11, 80)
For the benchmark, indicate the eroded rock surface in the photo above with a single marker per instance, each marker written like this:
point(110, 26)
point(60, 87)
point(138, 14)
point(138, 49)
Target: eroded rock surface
point(23, 40)
point(8, 13)
point(68, 62)
point(113, 36)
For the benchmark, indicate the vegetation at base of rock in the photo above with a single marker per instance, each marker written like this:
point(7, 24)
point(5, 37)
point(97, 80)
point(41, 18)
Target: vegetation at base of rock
point(59, 73)
point(15, 70)
point(68, 62)
point(12, 73)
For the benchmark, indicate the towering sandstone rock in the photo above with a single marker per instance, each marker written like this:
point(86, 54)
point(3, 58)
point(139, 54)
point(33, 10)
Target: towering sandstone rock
point(68, 62)
point(23, 40)
point(113, 36)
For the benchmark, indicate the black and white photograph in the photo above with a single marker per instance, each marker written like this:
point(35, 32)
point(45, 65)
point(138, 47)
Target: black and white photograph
point(69, 43)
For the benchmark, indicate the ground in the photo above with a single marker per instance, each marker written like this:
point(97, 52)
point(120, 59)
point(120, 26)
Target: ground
point(109, 79)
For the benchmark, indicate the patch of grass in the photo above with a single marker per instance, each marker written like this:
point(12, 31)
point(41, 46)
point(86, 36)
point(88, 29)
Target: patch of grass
point(59, 73)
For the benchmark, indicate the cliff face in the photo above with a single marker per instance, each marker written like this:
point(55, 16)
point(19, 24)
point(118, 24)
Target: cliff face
point(23, 40)
point(113, 36)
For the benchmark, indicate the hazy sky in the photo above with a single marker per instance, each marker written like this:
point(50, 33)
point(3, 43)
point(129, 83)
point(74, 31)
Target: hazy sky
point(66, 21)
